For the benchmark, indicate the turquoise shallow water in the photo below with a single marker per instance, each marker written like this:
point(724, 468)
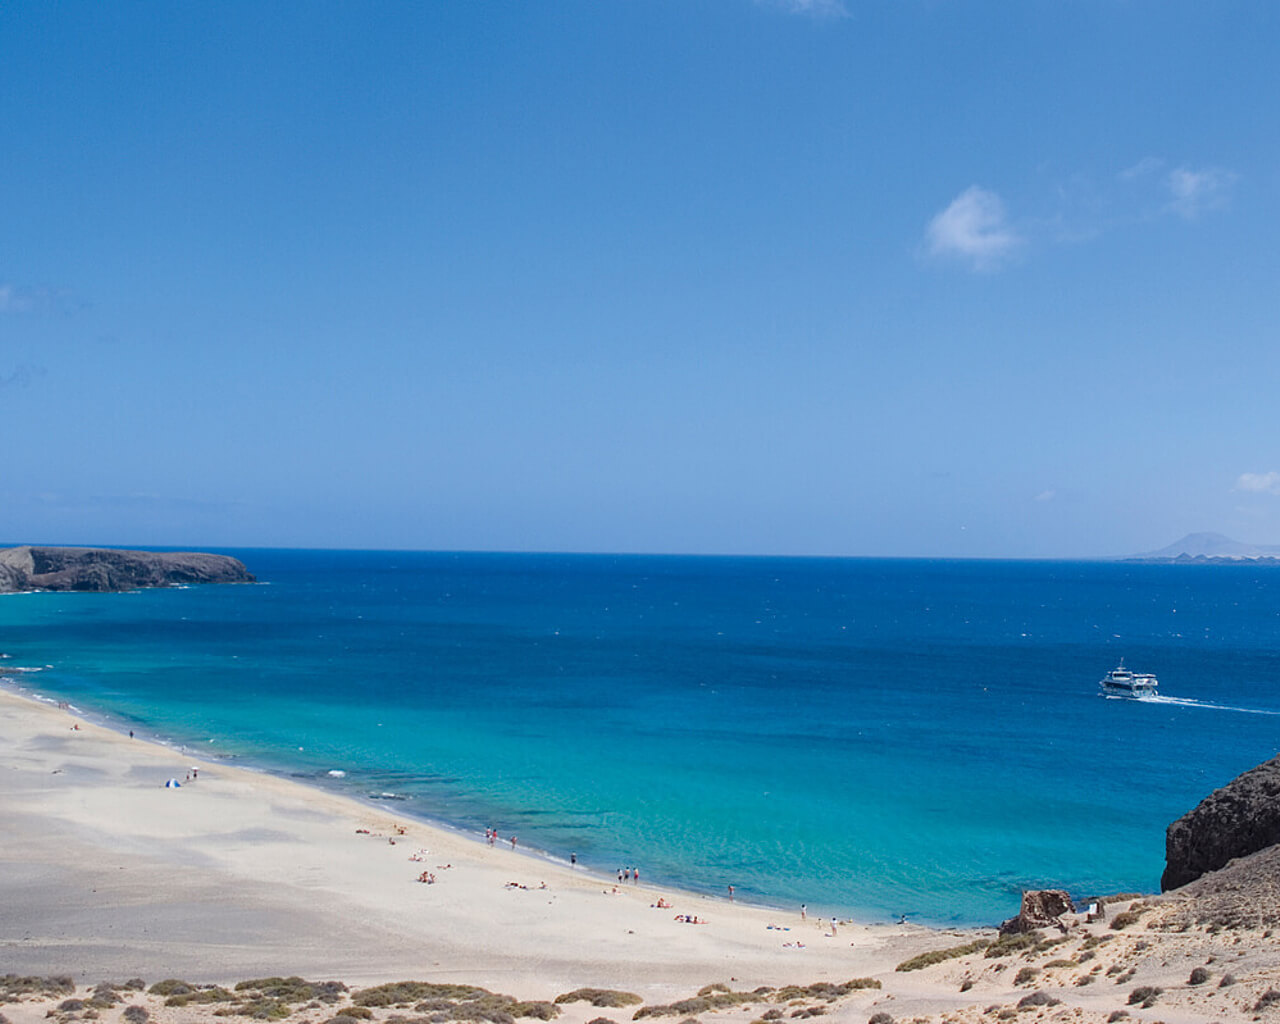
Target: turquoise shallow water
point(870, 737)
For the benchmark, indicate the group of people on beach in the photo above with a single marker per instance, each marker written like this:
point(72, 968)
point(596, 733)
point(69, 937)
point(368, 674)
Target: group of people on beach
point(491, 834)
point(629, 875)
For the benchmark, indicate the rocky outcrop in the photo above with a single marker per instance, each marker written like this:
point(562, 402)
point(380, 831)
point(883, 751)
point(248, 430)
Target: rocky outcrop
point(1041, 908)
point(1241, 818)
point(107, 569)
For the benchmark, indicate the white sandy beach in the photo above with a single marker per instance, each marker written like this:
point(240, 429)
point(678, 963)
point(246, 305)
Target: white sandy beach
point(238, 871)
point(107, 874)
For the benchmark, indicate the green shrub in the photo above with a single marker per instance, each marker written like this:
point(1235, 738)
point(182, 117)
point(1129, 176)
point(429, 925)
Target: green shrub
point(606, 997)
point(937, 956)
point(1124, 919)
point(12, 985)
point(1199, 976)
point(1025, 974)
point(1037, 999)
point(1269, 997)
point(201, 996)
point(880, 1018)
point(1146, 995)
point(294, 989)
point(1016, 943)
point(820, 990)
point(135, 1014)
point(260, 1009)
point(396, 992)
point(172, 987)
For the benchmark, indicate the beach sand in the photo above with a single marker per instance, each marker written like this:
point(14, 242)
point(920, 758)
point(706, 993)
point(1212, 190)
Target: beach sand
point(106, 874)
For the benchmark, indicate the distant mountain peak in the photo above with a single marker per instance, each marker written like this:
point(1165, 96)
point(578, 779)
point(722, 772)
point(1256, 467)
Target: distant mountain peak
point(1211, 546)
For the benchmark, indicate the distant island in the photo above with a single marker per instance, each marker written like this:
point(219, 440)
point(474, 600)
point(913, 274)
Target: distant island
point(101, 570)
point(1211, 549)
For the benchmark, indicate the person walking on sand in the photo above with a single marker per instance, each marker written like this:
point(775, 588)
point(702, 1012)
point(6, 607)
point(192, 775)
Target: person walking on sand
point(513, 842)
point(573, 860)
point(730, 894)
point(804, 911)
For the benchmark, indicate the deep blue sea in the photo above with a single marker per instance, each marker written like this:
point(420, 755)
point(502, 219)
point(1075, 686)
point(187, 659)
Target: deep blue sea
point(870, 737)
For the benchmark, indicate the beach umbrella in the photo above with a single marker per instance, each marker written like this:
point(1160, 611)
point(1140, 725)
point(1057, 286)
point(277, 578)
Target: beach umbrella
point(173, 784)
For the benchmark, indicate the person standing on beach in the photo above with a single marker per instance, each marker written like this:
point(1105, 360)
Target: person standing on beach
point(573, 860)
point(513, 842)
point(730, 894)
point(804, 911)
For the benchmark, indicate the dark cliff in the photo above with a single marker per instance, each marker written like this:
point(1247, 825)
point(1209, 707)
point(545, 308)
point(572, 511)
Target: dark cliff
point(106, 569)
point(1241, 818)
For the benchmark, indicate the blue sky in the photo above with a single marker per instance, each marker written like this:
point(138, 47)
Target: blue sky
point(870, 277)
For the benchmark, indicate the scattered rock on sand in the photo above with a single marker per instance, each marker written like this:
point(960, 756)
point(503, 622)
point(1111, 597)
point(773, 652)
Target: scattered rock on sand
point(1041, 908)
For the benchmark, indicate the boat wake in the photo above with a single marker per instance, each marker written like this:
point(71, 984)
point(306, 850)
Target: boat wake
point(1188, 702)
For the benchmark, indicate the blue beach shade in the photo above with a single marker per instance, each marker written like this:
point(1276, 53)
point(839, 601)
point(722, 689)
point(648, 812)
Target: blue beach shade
point(173, 784)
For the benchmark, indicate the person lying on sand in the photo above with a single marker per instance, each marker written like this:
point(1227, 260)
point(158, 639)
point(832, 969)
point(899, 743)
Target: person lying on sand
point(662, 904)
point(427, 877)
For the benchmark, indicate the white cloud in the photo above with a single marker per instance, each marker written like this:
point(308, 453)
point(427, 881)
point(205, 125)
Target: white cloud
point(1144, 167)
point(974, 228)
point(1260, 483)
point(1194, 192)
point(813, 8)
point(1048, 495)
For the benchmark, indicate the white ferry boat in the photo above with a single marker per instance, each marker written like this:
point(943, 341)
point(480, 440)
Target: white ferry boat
point(1120, 682)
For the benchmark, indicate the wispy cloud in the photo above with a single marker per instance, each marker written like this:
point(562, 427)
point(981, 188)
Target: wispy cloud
point(13, 299)
point(1185, 191)
point(1259, 483)
point(16, 299)
point(973, 228)
point(1076, 208)
point(1194, 192)
point(1047, 495)
point(1145, 167)
point(812, 8)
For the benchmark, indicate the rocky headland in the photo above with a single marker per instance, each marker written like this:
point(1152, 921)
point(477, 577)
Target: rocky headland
point(100, 570)
point(1241, 818)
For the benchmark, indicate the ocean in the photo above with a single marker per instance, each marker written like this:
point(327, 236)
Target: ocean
point(873, 738)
